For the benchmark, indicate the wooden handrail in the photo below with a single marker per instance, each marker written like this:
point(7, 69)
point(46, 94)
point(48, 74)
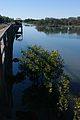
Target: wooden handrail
point(4, 30)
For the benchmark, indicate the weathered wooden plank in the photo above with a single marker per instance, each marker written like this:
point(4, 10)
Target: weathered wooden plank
point(2, 31)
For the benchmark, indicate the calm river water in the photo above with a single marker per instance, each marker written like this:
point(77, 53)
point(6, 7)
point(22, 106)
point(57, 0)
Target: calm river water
point(67, 44)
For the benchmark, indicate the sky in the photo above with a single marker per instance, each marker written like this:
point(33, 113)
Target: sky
point(38, 9)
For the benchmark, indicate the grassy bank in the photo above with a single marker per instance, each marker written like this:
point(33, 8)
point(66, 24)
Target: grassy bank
point(3, 26)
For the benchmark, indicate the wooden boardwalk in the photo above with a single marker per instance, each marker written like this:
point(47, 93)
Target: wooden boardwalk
point(7, 35)
point(2, 31)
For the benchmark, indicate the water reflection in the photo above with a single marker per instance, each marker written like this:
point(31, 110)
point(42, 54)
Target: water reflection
point(68, 44)
point(19, 35)
point(62, 29)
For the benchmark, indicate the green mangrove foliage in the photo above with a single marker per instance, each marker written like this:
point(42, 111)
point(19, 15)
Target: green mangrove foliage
point(64, 85)
point(45, 69)
point(77, 109)
point(40, 65)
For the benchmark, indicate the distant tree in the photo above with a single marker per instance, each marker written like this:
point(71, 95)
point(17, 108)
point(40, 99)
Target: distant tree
point(53, 22)
point(1, 19)
point(4, 19)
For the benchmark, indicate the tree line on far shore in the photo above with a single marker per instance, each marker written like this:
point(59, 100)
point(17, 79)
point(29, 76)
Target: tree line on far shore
point(4, 19)
point(55, 21)
point(51, 22)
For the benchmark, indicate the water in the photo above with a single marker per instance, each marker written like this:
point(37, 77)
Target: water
point(67, 44)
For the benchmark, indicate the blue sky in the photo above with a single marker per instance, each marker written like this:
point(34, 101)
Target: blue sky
point(40, 8)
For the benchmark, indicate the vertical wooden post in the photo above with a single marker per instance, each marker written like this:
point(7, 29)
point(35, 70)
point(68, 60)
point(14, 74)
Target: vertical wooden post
point(3, 85)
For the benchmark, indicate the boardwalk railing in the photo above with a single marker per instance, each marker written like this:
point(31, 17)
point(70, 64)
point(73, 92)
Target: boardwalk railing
point(3, 39)
point(7, 36)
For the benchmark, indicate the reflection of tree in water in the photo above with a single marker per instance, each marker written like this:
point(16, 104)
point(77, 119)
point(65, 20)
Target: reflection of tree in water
point(48, 30)
point(75, 30)
point(40, 101)
point(61, 29)
point(29, 115)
